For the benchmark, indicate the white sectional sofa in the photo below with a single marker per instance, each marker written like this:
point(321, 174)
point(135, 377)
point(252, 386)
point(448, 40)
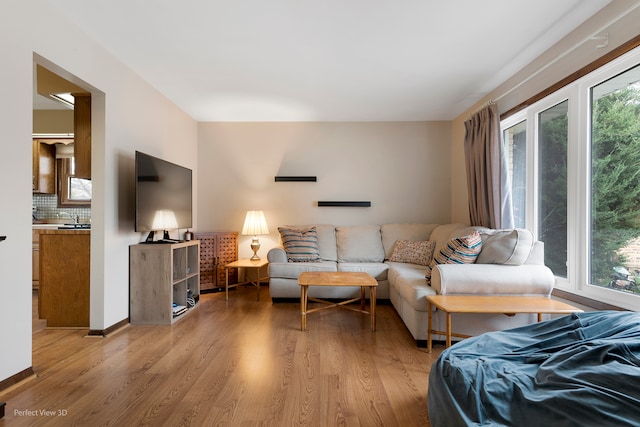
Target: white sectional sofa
point(510, 263)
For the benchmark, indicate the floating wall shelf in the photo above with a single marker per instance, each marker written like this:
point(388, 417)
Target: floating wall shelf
point(296, 179)
point(346, 204)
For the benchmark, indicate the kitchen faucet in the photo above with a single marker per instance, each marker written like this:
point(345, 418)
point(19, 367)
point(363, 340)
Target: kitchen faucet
point(75, 218)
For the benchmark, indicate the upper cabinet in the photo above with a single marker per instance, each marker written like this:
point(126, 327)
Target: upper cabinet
point(82, 135)
point(44, 167)
point(72, 96)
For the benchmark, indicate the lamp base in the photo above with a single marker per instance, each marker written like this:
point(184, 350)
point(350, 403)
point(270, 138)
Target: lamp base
point(255, 246)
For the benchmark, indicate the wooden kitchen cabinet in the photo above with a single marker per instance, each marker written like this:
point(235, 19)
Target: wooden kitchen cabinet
point(217, 249)
point(63, 297)
point(35, 259)
point(82, 135)
point(44, 167)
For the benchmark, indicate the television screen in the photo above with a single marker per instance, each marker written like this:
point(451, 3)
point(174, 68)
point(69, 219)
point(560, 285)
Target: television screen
point(163, 195)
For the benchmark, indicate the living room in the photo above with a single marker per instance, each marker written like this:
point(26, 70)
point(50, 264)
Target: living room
point(406, 169)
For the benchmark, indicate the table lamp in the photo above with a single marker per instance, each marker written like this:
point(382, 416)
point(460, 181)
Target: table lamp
point(254, 225)
point(164, 219)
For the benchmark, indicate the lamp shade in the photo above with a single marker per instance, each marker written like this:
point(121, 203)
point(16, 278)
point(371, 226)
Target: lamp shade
point(255, 224)
point(164, 219)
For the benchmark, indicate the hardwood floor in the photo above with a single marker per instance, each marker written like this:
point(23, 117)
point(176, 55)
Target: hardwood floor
point(230, 363)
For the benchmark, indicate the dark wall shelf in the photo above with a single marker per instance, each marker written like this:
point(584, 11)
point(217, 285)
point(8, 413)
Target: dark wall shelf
point(345, 204)
point(296, 179)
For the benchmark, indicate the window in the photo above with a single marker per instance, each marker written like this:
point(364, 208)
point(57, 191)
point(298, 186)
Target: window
point(552, 185)
point(615, 182)
point(515, 140)
point(72, 191)
point(577, 151)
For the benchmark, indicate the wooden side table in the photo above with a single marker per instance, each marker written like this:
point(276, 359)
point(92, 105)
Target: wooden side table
point(489, 304)
point(244, 263)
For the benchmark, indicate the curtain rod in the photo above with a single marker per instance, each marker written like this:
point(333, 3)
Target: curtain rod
point(594, 36)
point(482, 107)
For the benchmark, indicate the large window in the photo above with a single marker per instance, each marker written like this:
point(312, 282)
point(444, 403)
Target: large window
point(580, 169)
point(615, 182)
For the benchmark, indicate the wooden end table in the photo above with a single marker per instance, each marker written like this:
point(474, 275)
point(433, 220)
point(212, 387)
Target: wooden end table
point(244, 263)
point(488, 304)
point(339, 278)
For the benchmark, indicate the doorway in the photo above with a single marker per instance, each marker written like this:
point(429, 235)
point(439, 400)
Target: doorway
point(63, 130)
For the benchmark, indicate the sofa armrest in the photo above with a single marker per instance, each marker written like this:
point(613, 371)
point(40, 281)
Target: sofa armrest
point(277, 254)
point(470, 279)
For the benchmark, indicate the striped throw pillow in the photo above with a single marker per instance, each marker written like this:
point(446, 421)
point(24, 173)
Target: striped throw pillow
point(459, 250)
point(300, 244)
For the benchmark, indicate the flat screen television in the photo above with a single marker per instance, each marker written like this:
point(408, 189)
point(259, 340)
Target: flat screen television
point(163, 196)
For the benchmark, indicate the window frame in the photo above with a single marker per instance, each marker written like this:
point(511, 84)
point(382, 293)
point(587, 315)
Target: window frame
point(63, 167)
point(578, 176)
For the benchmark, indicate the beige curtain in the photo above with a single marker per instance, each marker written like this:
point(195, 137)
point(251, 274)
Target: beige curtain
point(487, 173)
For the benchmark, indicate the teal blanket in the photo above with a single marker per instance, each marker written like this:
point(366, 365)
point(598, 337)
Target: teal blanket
point(578, 370)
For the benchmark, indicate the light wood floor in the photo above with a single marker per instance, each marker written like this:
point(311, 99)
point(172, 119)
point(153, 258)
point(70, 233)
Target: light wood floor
point(235, 363)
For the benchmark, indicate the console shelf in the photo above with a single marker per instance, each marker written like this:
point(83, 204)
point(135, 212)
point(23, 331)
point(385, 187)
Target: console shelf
point(161, 275)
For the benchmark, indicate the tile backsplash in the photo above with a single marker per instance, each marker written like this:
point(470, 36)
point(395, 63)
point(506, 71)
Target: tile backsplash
point(45, 207)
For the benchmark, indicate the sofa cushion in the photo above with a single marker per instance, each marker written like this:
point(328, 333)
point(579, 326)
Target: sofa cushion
point(459, 250)
point(300, 243)
point(359, 244)
point(411, 285)
point(291, 270)
point(377, 269)
point(511, 247)
point(327, 242)
point(392, 232)
point(413, 252)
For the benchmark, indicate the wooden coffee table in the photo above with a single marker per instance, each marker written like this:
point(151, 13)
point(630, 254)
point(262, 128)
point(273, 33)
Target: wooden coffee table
point(340, 278)
point(490, 305)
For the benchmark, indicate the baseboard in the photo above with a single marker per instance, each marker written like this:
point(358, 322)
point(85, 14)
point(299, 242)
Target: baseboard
point(111, 329)
point(15, 379)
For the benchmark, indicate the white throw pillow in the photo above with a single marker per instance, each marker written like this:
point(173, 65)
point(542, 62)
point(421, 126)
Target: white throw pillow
point(510, 247)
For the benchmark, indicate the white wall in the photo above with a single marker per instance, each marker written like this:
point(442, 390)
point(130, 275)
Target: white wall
point(619, 20)
point(401, 167)
point(128, 115)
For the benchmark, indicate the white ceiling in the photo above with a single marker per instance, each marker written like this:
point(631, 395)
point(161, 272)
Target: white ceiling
point(326, 60)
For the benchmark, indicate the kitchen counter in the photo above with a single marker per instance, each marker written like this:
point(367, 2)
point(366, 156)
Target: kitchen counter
point(42, 231)
point(61, 226)
point(44, 226)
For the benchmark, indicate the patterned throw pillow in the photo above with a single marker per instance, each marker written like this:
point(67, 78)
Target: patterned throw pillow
point(459, 250)
point(300, 244)
point(413, 252)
